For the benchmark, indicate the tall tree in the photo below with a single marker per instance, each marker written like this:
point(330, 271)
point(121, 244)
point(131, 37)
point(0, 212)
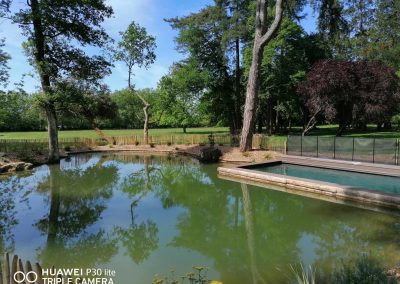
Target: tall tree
point(351, 93)
point(212, 39)
point(137, 48)
point(179, 94)
point(56, 31)
point(384, 34)
point(263, 35)
point(286, 61)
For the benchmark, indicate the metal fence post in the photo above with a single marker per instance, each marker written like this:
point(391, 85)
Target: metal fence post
point(301, 145)
point(352, 154)
point(334, 147)
point(287, 145)
point(373, 152)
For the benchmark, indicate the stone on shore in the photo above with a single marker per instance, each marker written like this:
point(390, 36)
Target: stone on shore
point(15, 167)
point(210, 155)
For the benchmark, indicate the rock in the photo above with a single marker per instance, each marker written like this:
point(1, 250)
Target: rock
point(28, 166)
point(20, 166)
point(15, 167)
point(210, 155)
point(5, 168)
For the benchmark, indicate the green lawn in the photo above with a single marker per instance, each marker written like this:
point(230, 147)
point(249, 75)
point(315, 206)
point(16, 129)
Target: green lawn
point(324, 130)
point(330, 130)
point(121, 132)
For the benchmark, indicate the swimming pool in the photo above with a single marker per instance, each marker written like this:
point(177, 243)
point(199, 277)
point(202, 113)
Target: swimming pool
point(338, 181)
point(360, 180)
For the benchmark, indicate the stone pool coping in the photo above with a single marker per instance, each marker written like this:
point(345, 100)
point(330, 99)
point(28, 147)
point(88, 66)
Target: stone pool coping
point(320, 188)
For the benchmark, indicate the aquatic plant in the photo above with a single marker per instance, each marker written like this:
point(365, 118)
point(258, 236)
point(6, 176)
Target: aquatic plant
point(362, 270)
point(303, 275)
point(197, 276)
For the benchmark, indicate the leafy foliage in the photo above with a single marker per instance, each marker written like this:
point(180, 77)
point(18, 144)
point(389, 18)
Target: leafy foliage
point(61, 25)
point(136, 47)
point(351, 93)
point(4, 58)
point(179, 97)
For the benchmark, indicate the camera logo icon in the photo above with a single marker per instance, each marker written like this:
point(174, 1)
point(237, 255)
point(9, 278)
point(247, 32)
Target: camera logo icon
point(29, 277)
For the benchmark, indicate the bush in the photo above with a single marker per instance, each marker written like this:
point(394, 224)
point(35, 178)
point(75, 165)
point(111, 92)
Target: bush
point(396, 121)
point(364, 270)
point(67, 148)
point(211, 140)
point(169, 143)
point(102, 142)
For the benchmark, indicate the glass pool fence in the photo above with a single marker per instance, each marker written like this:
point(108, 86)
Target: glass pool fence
point(372, 150)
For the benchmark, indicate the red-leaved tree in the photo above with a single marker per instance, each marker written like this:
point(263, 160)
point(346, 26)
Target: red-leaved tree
point(350, 93)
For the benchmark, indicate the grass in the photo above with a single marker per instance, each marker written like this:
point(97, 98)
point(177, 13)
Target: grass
point(323, 130)
point(370, 132)
point(115, 132)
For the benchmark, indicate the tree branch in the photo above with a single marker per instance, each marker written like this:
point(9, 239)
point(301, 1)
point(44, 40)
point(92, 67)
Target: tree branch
point(275, 24)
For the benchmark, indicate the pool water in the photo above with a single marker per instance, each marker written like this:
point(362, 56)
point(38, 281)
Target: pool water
point(146, 215)
point(347, 178)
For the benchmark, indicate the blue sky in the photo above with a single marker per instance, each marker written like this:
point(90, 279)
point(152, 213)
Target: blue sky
point(149, 14)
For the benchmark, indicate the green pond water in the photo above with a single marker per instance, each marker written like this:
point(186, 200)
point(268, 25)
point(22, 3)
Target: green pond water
point(353, 179)
point(144, 215)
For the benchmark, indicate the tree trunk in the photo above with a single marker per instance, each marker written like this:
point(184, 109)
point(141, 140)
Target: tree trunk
point(261, 38)
point(54, 154)
point(184, 129)
point(39, 54)
point(145, 108)
point(237, 87)
point(146, 124)
point(250, 104)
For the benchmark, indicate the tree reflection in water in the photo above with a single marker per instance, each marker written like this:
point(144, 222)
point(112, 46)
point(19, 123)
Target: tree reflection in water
point(244, 233)
point(76, 200)
point(14, 190)
point(139, 239)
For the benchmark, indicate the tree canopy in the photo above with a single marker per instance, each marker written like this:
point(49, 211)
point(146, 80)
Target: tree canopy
point(351, 93)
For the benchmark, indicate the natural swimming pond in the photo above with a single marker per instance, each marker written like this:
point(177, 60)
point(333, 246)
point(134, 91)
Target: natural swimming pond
point(144, 215)
point(347, 178)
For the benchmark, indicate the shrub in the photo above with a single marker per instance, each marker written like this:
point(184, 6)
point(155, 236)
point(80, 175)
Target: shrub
point(197, 275)
point(202, 144)
point(102, 142)
point(396, 121)
point(67, 148)
point(268, 156)
point(363, 270)
point(169, 143)
point(211, 140)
